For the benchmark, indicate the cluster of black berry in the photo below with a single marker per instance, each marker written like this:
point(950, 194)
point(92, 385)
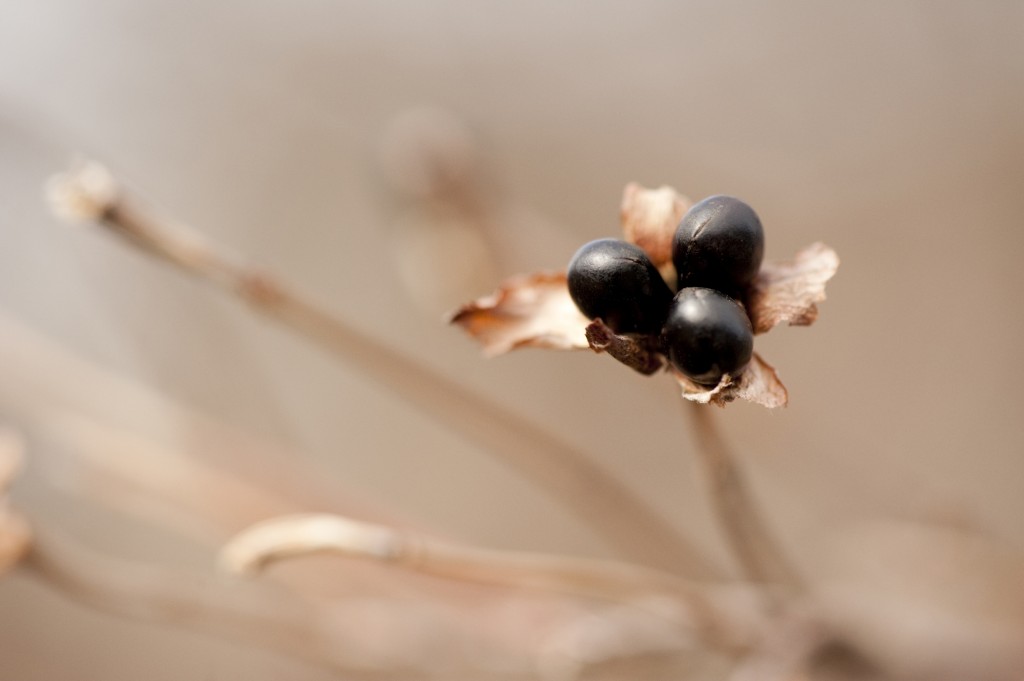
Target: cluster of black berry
point(702, 329)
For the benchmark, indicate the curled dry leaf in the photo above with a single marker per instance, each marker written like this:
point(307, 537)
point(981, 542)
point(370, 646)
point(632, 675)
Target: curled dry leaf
point(532, 310)
point(759, 383)
point(789, 292)
point(649, 220)
point(702, 394)
point(636, 352)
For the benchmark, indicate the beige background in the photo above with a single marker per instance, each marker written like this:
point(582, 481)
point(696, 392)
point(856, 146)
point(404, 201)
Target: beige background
point(891, 131)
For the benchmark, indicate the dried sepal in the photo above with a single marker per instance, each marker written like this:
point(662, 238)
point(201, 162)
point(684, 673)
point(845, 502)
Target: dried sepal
point(636, 352)
point(759, 383)
point(533, 310)
point(789, 292)
point(702, 394)
point(649, 220)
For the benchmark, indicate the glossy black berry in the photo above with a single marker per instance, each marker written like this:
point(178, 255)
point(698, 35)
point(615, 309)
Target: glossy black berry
point(707, 334)
point(719, 244)
point(617, 282)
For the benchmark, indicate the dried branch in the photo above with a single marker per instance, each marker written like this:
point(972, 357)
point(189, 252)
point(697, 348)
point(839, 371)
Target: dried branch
point(758, 553)
point(151, 594)
point(334, 636)
point(287, 537)
point(421, 642)
point(628, 523)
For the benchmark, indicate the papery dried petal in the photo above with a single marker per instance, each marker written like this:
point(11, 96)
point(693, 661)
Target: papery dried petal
point(702, 394)
point(789, 292)
point(649, 220)
point(633, 351)
point(759, 383)
point(532, 310)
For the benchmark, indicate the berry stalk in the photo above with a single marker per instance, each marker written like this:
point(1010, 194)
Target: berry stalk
point(755, 548)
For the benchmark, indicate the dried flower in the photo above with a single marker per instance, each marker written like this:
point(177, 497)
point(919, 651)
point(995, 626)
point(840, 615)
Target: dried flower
point(536, 310)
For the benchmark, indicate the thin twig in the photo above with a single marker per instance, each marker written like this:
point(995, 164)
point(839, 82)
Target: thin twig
point(625, 521)
point(152, 594)
point(336, 639)
point(288, 537)
point(330, 637)
point(758, 553)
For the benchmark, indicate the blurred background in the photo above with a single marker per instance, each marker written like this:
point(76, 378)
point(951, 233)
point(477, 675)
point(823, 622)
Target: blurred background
point(394, 160)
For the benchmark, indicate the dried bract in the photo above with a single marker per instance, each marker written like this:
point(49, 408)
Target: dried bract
point(527, 311)
point(649, 220)
point(636, 352)
point(789, 292)
point(758, 384)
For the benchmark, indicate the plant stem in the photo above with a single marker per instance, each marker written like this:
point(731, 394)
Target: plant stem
point(758, 553)
point(152, 594)
point(659, 593)
point(625, 521)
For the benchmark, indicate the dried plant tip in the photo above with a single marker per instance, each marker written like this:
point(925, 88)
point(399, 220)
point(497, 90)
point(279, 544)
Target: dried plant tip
point(759, 383)
point(83, 194)
point(281, 538)
point(527, 311)
point(633, 351)
point(649, 220)
point(15, 536)
point(12, 449)
point(789, 292)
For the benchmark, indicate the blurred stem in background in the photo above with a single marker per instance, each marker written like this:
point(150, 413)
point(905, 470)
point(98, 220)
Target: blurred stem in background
point(629, 525)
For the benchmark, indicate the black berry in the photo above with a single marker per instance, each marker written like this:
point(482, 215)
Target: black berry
point(617, 282)
point(707, 334)
point(719, 244)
